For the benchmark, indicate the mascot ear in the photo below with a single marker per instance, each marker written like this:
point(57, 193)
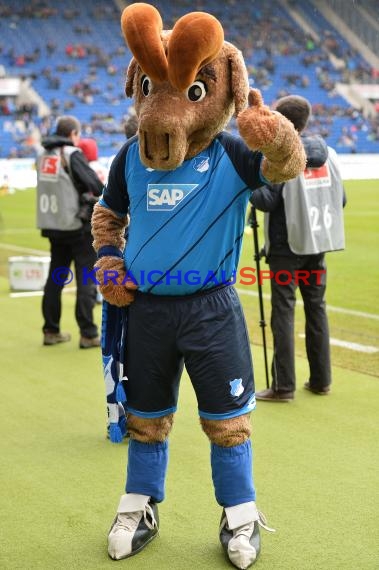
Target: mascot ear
point(141, 25)
point(239, 79)
point(195, 40)
point(130, 75)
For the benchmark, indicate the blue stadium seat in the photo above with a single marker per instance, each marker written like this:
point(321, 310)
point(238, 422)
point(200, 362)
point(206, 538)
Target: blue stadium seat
point(261, 30)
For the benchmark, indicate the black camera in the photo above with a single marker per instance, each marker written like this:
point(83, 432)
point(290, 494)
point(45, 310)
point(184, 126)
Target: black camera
point(87, 202)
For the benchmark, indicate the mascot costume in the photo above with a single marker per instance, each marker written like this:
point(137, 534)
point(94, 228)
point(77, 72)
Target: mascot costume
point(168, 232)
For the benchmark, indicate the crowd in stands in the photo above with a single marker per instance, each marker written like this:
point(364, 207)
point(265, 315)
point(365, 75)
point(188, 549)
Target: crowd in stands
point(82, 75)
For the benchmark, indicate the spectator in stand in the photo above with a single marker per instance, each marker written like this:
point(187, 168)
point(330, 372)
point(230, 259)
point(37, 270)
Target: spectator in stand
point(90, 150)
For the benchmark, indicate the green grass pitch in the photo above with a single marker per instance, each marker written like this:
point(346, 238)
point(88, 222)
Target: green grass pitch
point(316, 460)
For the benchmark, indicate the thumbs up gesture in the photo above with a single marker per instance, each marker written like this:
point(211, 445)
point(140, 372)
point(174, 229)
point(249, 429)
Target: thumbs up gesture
point(274, 136)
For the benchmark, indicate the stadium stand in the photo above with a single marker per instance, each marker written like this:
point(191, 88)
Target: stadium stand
point(361, 17)
point(71, 58)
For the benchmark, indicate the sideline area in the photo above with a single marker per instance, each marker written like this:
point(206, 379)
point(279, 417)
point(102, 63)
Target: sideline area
point(20, 173)
point(314, 466)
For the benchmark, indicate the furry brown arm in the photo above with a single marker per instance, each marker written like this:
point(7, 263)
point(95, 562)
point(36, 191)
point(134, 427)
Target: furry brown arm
point(273, 135)
point(108, 230)
point(115, 286)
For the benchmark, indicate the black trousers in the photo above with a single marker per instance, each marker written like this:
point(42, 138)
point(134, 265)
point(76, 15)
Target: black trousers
point(283, 300)
point(63, 251)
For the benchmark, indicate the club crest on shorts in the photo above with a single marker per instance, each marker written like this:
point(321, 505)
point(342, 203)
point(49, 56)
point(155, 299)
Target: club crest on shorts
point(236, 387)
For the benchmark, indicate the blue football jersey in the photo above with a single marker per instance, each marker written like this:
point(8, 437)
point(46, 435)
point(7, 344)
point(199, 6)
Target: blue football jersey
point(186, 225)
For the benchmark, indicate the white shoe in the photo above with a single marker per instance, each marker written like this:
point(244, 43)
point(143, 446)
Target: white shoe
point(239, 534)
point(135, 525)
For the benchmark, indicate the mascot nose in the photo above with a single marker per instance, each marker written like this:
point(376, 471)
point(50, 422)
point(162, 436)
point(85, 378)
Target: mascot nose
point(163, 144)
point(155, 145)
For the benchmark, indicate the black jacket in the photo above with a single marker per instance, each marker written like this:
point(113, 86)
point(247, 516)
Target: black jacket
point(82, 175)
point(270, 198)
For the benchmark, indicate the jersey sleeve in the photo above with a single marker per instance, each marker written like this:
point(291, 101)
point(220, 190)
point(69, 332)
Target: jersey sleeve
point(115, 194)
point(246, 162)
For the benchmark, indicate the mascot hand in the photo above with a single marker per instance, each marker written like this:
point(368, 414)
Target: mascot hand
point(274, 136)
point(115, 286)
point(257, 124)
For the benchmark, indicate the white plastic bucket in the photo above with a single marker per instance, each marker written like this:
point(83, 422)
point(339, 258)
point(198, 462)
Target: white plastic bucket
point(28, 273)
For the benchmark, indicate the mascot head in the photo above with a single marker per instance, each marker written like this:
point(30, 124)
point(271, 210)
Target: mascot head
point(187, 83)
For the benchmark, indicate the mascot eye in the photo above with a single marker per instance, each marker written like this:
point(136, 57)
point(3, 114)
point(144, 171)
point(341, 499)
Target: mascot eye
point(145, 85)
point(197, 91)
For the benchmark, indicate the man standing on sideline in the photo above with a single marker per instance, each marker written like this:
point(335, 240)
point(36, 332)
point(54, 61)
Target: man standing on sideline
point(63, 178)
point(303, 220)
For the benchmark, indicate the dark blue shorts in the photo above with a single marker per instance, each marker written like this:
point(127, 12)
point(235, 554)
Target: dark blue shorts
point(207, 333)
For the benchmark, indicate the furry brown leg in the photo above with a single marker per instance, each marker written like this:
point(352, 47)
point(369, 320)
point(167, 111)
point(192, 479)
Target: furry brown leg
point(227, 433)
point(150, 430)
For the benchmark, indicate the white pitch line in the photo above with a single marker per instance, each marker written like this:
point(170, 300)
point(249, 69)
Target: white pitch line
point(22, 249)
point(26, 294)
point(354, 346)
point(37, 293)
point(351, 345)
point(266, 296)
point(352, 312)
point(328, 307)
point(11, 231)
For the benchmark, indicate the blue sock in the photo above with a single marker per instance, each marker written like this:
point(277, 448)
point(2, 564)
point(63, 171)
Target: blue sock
point(147, 466)
point(232, 474)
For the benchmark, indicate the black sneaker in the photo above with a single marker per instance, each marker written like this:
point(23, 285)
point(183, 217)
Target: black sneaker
point(242, 544)
point(135, 525)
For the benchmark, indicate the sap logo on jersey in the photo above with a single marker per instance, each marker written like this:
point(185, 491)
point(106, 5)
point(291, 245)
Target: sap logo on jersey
point(167, 196)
